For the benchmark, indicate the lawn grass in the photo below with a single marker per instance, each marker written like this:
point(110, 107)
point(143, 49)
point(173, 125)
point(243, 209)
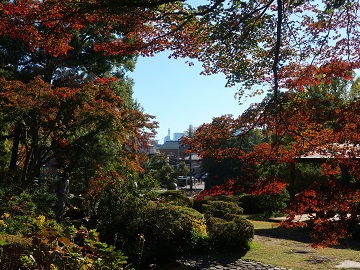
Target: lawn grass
point(290, 248)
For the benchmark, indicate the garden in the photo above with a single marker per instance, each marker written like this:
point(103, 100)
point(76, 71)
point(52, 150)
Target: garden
point(67, 112)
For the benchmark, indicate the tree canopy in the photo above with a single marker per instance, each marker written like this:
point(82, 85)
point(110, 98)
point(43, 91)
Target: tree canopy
point(282, 44)
point(64, 90)
point(319, 125)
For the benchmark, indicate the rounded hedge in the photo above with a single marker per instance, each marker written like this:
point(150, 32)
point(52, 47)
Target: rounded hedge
point(221, 208)
point(234, 233)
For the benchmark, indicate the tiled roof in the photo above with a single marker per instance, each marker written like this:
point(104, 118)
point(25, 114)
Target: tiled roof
point(170, 145)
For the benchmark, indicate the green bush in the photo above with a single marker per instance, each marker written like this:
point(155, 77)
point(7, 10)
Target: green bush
point(36, 201)
point(234, 233)
point(264, 204)
point(176, 197)
point(172, 230)
point(20, 209)
point(50, 246)
point(225, 198)
point(220, 208)
point(225, 227)
point(147, 227)
point(19, 213)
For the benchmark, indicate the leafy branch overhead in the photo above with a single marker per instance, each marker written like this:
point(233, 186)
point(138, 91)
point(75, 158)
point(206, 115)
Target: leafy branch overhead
point(279, 44)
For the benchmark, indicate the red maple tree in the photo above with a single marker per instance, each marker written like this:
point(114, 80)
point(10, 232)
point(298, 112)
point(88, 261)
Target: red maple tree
point(300, 130)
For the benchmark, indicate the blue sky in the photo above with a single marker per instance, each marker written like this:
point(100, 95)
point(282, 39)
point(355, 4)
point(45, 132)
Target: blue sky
point(179, 96)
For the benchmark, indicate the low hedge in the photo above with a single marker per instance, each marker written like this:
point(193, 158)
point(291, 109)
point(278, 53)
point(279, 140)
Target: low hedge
point(221, 208)
point(174, 229)
point(176, 197)
point(264, 204)
point(226, 228)
point(224, 198)
point(234, 233)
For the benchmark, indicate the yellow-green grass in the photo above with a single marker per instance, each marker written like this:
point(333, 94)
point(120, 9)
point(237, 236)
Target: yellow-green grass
point(290, 248)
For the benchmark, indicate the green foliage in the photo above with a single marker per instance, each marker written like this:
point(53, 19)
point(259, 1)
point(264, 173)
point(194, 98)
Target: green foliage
point(225, 198)
point(307, 174)
point(182, 169)
point(147, 227)
point(234, 233)
point(20, 211)
point(226, 228)
point(48, 245)
point(15, 224)
point(156, 162)
point(174, 229)
point(20, 208)
point(224, 168)
point(219, 170)
point(265, 204)
point(167, 176)
point(220, 209)
point(158, 166)
point(52, 250)
point(176, 197)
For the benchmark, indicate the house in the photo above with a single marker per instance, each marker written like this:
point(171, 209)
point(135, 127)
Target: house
point(173, 150)
point(176, 153)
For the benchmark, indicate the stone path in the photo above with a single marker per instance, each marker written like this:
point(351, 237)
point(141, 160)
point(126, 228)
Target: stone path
point(234, 265)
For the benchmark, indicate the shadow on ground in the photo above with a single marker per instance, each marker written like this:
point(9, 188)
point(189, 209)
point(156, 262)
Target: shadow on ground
point(294, 234)
point(303, 235)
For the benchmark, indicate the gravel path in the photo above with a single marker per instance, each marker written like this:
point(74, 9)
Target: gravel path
point(239, 264)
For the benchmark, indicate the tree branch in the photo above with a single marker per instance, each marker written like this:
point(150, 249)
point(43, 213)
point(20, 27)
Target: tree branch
point(277, 49)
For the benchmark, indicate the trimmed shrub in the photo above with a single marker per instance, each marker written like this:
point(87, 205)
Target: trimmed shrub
point(174, 229)
point(176, 197)
point(234, 233)
point(220, 208)
point(154, 230)
point(225, 227)
point(264, 204)
point(225, 198)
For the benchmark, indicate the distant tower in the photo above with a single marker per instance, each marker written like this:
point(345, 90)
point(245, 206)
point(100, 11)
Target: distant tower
point(191, 130)
point(167, 138)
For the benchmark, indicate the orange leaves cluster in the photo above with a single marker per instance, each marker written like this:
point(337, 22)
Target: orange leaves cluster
point(301, 127)
point(228, 188)
point(101, 182)
point(301, 76)
point(268, 186)
point(236, 40)
point(331, 211)
point(22, 20)
point(126, 28)
point(65, 117)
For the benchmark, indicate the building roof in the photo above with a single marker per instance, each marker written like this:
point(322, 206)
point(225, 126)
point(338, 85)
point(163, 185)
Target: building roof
point(170, 145)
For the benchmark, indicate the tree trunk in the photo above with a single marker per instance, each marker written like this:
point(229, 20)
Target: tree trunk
point(15, 150)
point(292, 181)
